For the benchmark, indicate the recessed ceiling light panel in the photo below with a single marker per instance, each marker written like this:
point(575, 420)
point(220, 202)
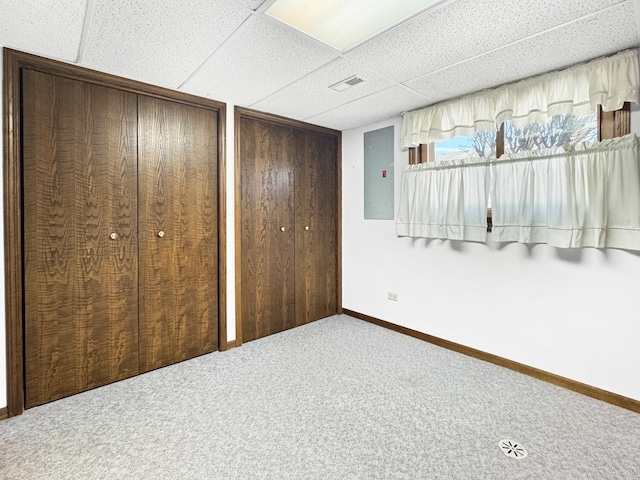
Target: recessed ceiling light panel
point(344, 24)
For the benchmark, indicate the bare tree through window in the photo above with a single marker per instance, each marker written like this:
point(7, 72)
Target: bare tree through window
point(560, 131)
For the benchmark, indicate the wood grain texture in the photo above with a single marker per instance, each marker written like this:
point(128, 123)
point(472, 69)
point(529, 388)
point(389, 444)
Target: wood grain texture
point(272, 119)
point(614, 124)
point(606, 124)
point(228, 345)
point(79, 186)
point(339, 223)
point(178, 148)
point(13, 258)
point(316, 235)
point(237, 217)
point(316, 290)
point(588, 390)
point(4, 413)
point(267, 235)
point(622, 120)
point(14, 63)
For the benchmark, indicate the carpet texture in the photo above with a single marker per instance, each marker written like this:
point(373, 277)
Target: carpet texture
point(335, 399)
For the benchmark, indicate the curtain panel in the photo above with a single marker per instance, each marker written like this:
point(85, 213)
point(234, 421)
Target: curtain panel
point(577, 90)
point(582, 196)
point(446, 200)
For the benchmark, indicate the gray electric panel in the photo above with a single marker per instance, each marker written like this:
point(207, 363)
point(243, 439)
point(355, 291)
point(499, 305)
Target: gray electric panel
point(378, 174)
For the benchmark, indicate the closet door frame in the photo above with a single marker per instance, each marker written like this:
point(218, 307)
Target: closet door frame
point(239, 114)
point(13, 63)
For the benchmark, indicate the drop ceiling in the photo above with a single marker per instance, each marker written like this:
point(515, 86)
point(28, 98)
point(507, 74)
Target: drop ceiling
point(230, 51)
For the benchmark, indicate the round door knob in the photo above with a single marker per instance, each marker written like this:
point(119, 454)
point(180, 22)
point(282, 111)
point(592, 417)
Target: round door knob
point(306, 228)
point(282, 229)
point(113, 235)
point(161, 233)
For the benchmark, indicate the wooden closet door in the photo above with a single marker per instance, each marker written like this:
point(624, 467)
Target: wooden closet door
point(267, 235)
point(316, 227)
point(178, 166)
point(80, 287)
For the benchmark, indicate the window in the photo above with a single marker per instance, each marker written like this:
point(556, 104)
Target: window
point(560, 131)
point(482, 144)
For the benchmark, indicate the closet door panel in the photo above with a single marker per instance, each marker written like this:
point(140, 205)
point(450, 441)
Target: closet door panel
point(267, 218)
point(79, 171)
point(178, 159)
point(327, 232)
point(316, 233)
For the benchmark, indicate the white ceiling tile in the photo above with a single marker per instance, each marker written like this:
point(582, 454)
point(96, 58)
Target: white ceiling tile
point(52, 28)
point(158, 42)
point(261, 58)
point(229, 53)
point(462, 30)
point(251, 4)
point(311, 95)
point(579, 42)
point(389, 103)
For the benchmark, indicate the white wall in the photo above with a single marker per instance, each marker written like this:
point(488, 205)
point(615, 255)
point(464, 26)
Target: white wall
point(231, 243)
point(570, 312)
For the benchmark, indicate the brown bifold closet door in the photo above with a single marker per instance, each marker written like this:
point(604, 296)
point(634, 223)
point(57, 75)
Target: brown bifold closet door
point(268, 231)
point(288, 190)
point(178, 231)
point(80, 236)
point(316, 234)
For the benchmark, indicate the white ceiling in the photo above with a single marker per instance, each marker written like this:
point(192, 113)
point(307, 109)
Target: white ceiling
point(228, 50)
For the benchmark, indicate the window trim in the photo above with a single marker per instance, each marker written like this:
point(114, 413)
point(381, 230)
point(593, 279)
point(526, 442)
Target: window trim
point(614, 124)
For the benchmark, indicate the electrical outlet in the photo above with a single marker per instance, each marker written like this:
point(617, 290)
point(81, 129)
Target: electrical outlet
point(392, 296)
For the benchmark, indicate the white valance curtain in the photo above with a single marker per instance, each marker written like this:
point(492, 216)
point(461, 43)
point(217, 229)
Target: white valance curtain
point(587, 196)
point(578, 90)
point(445, 200)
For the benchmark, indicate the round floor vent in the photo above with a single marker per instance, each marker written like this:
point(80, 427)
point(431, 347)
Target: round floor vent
point(513, 449)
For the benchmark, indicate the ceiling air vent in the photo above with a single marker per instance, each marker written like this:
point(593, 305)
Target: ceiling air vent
point(342, 85)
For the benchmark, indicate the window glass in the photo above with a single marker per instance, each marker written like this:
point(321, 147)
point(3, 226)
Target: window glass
point(482, 144)
point(560, 131)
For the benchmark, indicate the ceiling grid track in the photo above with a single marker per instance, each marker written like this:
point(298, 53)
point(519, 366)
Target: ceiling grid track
point(200, 67)
point(86, 26)
point(636, 9)
point(521, 40)
point(355, 100)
